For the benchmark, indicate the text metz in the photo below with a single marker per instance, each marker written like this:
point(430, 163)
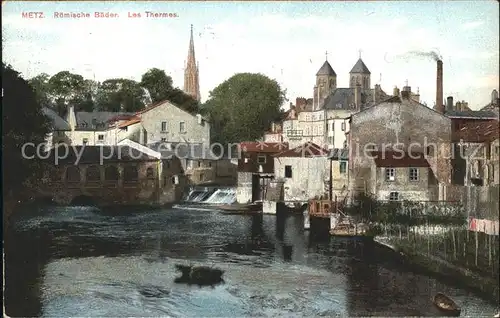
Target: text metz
point(32, 15)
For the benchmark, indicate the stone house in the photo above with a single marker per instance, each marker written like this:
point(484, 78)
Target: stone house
point(94, 128)
point(201, 166)
point(305, 172)
point(398, 176)
point(255, 169)
point(166, 122)
point(398, 123)
point(60, 129)
point(112, 175)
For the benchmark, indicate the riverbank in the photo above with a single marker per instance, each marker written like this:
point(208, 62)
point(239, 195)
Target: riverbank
point(487, 287)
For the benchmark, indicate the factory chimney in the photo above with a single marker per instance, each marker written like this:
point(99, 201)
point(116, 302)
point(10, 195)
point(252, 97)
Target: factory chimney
point(439, 87)
point(449, 103)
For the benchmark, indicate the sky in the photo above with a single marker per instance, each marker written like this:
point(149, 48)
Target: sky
point(286, 41)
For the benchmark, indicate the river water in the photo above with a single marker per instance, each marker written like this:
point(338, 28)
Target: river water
point(77, 261)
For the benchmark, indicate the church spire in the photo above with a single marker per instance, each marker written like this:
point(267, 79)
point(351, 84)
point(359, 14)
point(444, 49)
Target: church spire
point(191, 75)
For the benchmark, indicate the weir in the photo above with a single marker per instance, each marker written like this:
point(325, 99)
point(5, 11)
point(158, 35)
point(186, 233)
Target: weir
point(211, 195)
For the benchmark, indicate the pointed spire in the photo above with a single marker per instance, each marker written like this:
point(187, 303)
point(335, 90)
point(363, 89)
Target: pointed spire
point(191, 76)
point(326, 56)
point(359, 51)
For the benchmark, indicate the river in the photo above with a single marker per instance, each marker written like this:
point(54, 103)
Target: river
point(78, 261)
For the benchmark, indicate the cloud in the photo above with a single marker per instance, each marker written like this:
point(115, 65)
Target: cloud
point(472, 25)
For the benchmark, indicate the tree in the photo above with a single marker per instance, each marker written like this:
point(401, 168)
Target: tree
point(120, 95)
point(243, 107)
point(23, 122)
point(66, 88)
point(158, 84)
point(41, 87)
point(160, 88)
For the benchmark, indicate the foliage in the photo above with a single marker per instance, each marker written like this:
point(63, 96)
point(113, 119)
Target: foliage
point(118, 94)
point(160, 88)
point(23, 122)
point(243, 106)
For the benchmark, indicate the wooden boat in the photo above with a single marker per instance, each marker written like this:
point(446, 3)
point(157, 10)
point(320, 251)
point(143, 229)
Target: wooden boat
point(199, 275)
point(446, 305)
point(350, 230)
point(251, 208)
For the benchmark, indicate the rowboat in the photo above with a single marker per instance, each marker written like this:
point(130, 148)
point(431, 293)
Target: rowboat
point(252, 208)
point(446, 305)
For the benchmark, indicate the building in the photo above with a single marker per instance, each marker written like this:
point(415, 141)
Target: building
point(305, 172)
point(475, 159)
point(401, 176)
point(321, 120)
point(255, 169)
point(60, 129)
point(94, 128)
point(494, 104)
point(398, 123)
point(339, 161)
point(112, 175)
point(201, 166)
point(191, 72)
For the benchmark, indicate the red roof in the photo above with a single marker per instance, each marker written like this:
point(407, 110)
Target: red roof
point(121, 117)
point(308, 149)
point(479, 132)
point(260, 146)
point(395, 159)
point(132, 121)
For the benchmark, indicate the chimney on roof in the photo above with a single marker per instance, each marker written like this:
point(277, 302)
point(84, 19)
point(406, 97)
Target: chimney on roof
point(439, 87)
point(376, 93)
point(449, 103)
point(494, 97)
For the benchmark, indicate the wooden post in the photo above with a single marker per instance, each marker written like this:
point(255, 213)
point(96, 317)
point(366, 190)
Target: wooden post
point(477, 245)
point(454, 247)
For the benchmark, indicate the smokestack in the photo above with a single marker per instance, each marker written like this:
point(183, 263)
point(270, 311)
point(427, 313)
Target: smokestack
point(449, 103)
point(439, 87)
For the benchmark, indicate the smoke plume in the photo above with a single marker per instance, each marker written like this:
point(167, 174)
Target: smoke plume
point(430, 54)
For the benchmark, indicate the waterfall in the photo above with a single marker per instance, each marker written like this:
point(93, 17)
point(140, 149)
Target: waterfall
point(211, 195)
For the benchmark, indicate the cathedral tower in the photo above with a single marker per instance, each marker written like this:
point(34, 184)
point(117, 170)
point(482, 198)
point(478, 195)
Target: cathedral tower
point(191, 74)
point(359, 75)
point(326, 83)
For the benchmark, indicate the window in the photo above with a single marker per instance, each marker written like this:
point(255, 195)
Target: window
point(182, 127)
point(497, 150)
point(390, 174)
point(111, 173)
point(199, 164)
point(150, 173)
point(330, 140)
point(210, 164)
point(288, 171)
point(93, 174)
point(100, 137)
point(202, 176)
point(342, 126)
point(394, 196)
point(345, 143)
point(85, 141)
point(413, 174)
point(261, 159)
point(130, 174)
point(429, 151)
point(163, 126)
point(163, 139)
point(343, 167)
point(333, 126)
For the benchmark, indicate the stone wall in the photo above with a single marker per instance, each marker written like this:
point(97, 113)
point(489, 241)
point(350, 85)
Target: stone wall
point(244, 187)
point(408, 190)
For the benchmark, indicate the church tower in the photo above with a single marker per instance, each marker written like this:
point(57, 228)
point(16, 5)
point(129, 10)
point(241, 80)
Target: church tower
point(326, 83)
point(359, 75)
point(191, 74)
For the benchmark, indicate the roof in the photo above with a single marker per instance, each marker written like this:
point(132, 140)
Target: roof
point(339, 154)
point(309, 149)
point(153, 106)
point(397, 159)
point(343, 98)
point(477, 132)
point(132, 121)
point(98, 154)
point(98, 120)
point(360, 67)
point(185, 150)
point(58, 123)
point(259, 146)
point(326, 69)
point(479, 114)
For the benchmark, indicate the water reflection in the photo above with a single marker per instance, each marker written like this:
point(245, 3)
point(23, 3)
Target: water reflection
point(66, 260)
